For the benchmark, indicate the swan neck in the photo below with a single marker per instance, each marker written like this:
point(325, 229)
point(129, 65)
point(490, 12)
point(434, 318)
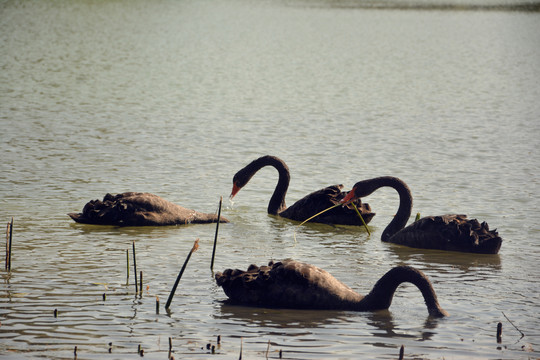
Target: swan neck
point(405, 206)
point(382, 293)
point(277, 201)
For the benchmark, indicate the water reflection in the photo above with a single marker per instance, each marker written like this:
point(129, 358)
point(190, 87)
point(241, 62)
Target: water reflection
point(279, 318)
point(435, 258)
point(424, 5)
point(350, 237)
point(380, 323)
point(155, 231)
point(383, 325)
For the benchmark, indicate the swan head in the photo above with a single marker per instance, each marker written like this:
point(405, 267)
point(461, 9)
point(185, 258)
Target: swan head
point(240, 179)
point(366, 187)
point(359, 190)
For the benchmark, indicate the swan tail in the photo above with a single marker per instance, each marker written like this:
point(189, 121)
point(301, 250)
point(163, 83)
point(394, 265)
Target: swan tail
point(246, 287)
point(453, 232)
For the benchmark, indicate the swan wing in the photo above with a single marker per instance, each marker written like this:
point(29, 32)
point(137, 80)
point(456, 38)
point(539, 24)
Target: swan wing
point(287, 284)
point(322, 199)
point(453, 232)
point(139, 209)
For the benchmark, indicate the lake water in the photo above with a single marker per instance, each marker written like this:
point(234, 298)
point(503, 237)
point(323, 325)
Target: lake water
point(173, 97)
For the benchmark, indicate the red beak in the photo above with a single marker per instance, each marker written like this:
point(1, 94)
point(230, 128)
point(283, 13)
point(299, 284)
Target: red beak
point(350, 196)
point(235, 190)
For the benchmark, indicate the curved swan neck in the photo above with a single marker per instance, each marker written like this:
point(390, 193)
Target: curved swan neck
point(382, 293)
point(277, 201)
point(405, 203)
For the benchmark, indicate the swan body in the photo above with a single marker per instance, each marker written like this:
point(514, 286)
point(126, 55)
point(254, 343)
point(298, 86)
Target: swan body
point(139, 209)
point(453, 232)
point(309, 205)
point(297, 285)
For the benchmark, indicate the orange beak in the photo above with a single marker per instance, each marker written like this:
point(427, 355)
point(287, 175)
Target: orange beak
point(235, 190)
point(350, 196)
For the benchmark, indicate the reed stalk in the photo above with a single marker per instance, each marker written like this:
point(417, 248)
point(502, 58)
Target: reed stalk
point(515, 327)
point(319, 213)
point(361, 218)
point(9, 238)
point(216, 236)
point(7, 246)
point(171, 295)
point(127, 267)
point(10, 241)
point(135, 269)
point(330, 208)
point(241, 346)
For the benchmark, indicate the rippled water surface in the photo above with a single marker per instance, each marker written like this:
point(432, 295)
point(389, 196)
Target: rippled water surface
point(173, 97)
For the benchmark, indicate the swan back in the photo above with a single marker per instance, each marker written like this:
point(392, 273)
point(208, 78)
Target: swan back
point(139, 209)
point(323, 199)
point(452, 232)
point(287, 284)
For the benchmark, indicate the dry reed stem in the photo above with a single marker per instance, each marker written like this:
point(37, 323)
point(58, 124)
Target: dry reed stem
point(135, 269)
point(171, 295)
point(216, 236)
point(319, 213)
point(510, 321)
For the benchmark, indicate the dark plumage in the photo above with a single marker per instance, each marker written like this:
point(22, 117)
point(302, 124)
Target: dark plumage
point(307, 206)
point(293, 284)
point(139, 209)
point(446, 232)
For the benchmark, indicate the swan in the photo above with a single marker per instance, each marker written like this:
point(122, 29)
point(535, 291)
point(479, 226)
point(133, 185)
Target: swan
point(297, 285)
point(453, 232)
point(307, 206)
point(139, 209)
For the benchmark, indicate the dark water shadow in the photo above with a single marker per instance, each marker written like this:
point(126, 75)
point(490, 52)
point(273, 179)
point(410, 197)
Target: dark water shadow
point(435, 258)
point(524, 6)
point(279, 318)
point(153, 231)
point(381, 323)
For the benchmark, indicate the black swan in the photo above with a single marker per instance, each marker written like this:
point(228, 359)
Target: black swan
point(307, 206)
point(139, 209)
point(297, 285)
point(446, 232)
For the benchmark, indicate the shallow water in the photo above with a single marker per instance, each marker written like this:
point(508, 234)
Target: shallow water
point(173, 97)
